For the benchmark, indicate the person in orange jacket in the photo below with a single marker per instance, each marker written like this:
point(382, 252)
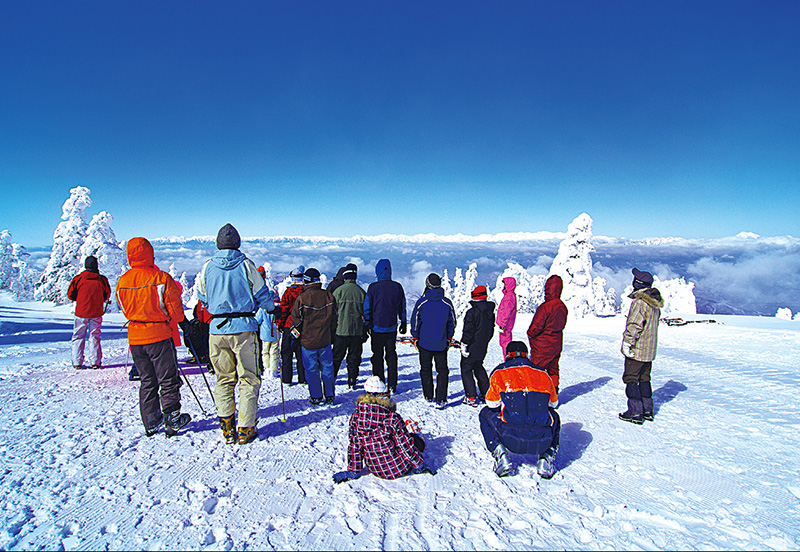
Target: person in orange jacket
point(90, 291)
point(149, 299)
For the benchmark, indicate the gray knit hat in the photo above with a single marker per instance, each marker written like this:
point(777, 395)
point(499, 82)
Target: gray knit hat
point(228, 237)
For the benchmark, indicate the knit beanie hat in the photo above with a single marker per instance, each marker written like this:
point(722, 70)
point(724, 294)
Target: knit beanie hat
point(375, 385)
point(228, 237)
point(262, 271)
point(641, 279)
point(90, 264)
point(515, 349)
point(350, 272)
point(310, 276)
point(433, 281)
point(297, 273)
point(479, 293)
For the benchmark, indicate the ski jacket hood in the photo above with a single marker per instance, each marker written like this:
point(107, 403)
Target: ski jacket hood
point(650, 295)
point(553, 287)
point(511, 284)
point(228, 259)
point(140, 252)
point(383, 270)
point(379, 440)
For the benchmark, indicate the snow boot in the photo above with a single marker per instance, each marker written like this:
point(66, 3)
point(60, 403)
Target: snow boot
point(153, 429)
point(329, 400)
point(546, 466)
point(441, 405)
point(228, 426)
point(635, 412)
point(471, 401)
point(351, 384)
point(502, 463)
point(316, 402)
point(175, 421)
point(247, 434)
point(646, 391)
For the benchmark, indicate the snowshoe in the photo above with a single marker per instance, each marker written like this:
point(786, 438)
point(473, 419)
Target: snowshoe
point(228, 426)
point(247, 434)
point(632, 418)
point(546, 467)
point(175, 421)
point(502, 463)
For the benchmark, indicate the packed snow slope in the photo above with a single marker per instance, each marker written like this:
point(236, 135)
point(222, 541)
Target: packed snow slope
point(717, 469)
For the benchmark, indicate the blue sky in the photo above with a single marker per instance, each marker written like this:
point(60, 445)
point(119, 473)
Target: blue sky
point(344, 118)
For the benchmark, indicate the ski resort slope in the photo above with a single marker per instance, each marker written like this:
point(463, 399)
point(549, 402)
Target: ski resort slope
point(717, 469)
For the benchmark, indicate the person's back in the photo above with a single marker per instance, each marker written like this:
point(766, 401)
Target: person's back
point(350, 308)
point(149, 299)
point(384, 305)
point(546, 332)
point(90, 291)
point(477, 332)
point(290, 348)
point(378, 438)
point(433, 320)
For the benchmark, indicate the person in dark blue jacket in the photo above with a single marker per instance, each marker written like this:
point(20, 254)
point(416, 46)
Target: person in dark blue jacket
point(433, 323)
point(384, 305)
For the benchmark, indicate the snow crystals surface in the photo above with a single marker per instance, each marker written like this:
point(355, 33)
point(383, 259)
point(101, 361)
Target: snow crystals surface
point(717, 469)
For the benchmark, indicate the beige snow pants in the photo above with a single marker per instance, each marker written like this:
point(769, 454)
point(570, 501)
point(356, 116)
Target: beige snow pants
point(235, 360)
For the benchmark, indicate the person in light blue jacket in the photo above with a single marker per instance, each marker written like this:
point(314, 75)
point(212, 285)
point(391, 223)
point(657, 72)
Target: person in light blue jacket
point(232, 290)
point(268, 334)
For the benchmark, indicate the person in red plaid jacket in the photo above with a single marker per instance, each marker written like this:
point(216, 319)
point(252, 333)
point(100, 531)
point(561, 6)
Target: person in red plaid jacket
point(380, 440)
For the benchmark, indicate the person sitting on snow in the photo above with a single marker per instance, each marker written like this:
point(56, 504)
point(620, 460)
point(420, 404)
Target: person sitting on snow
point(380, 440)
point(519, 414)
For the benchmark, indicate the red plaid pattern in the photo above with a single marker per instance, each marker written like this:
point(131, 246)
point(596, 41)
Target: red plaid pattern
point(379, 440)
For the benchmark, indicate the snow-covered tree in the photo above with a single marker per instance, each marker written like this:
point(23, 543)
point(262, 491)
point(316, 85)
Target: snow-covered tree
point(605, 302)
point(462, 292)
point(101, 242)
point(529, 290)
point(65, 258)
point(448, 289)
point(784, 313)
point(6, 259)
point(458, 288)
point(186, 295)
point(574, 264)
point(23, 282)
point(15, 275)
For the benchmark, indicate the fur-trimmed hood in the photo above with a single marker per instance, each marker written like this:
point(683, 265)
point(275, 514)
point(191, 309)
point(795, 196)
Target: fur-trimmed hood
point(650, 295)
point(380, 400)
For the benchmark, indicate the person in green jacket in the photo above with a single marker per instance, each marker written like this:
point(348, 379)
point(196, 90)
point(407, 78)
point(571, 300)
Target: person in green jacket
point(350, 330)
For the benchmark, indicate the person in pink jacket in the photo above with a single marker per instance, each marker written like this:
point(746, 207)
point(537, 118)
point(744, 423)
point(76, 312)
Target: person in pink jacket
point(507, 312)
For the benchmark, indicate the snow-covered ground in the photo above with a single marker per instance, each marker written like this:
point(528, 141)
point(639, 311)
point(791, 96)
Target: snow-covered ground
point(717, 469)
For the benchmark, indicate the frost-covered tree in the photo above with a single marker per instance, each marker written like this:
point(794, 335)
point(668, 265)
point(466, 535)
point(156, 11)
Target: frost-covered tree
point(65, 258)
point(6, 259)
point(23, 282)
point(784, 313)
point(529, 290)
point(101, 242)
point(448, 289)
point(15, 275)
point(462, 292)
point(605, 302)
point(458, 288)
point(574, 264)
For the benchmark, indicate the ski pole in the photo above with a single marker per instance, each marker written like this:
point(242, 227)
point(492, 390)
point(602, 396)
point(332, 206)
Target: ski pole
point(190, 387)
point(202, 373)
point(283, 403)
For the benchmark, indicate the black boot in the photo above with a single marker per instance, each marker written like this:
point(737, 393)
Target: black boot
point(646, 391)
point(175, 421)
point(635, 412)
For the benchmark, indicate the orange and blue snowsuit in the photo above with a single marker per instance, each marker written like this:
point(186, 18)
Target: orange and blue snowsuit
point(518, 410)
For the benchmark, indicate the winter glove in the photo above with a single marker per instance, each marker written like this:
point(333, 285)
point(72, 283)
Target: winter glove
point(627, 349)
point(403, 327)
point(412, 426)
point(184, 325)
point(464, 352)
point(422, 469)
point(276, 312)
point(365, 335)
point(341, 477)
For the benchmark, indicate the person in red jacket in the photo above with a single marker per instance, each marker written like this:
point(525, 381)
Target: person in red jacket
point(546, 332)
point(290, 346)
point(91, 292)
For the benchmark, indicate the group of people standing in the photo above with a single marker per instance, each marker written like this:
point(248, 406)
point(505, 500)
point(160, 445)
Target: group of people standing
point(320, 328)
